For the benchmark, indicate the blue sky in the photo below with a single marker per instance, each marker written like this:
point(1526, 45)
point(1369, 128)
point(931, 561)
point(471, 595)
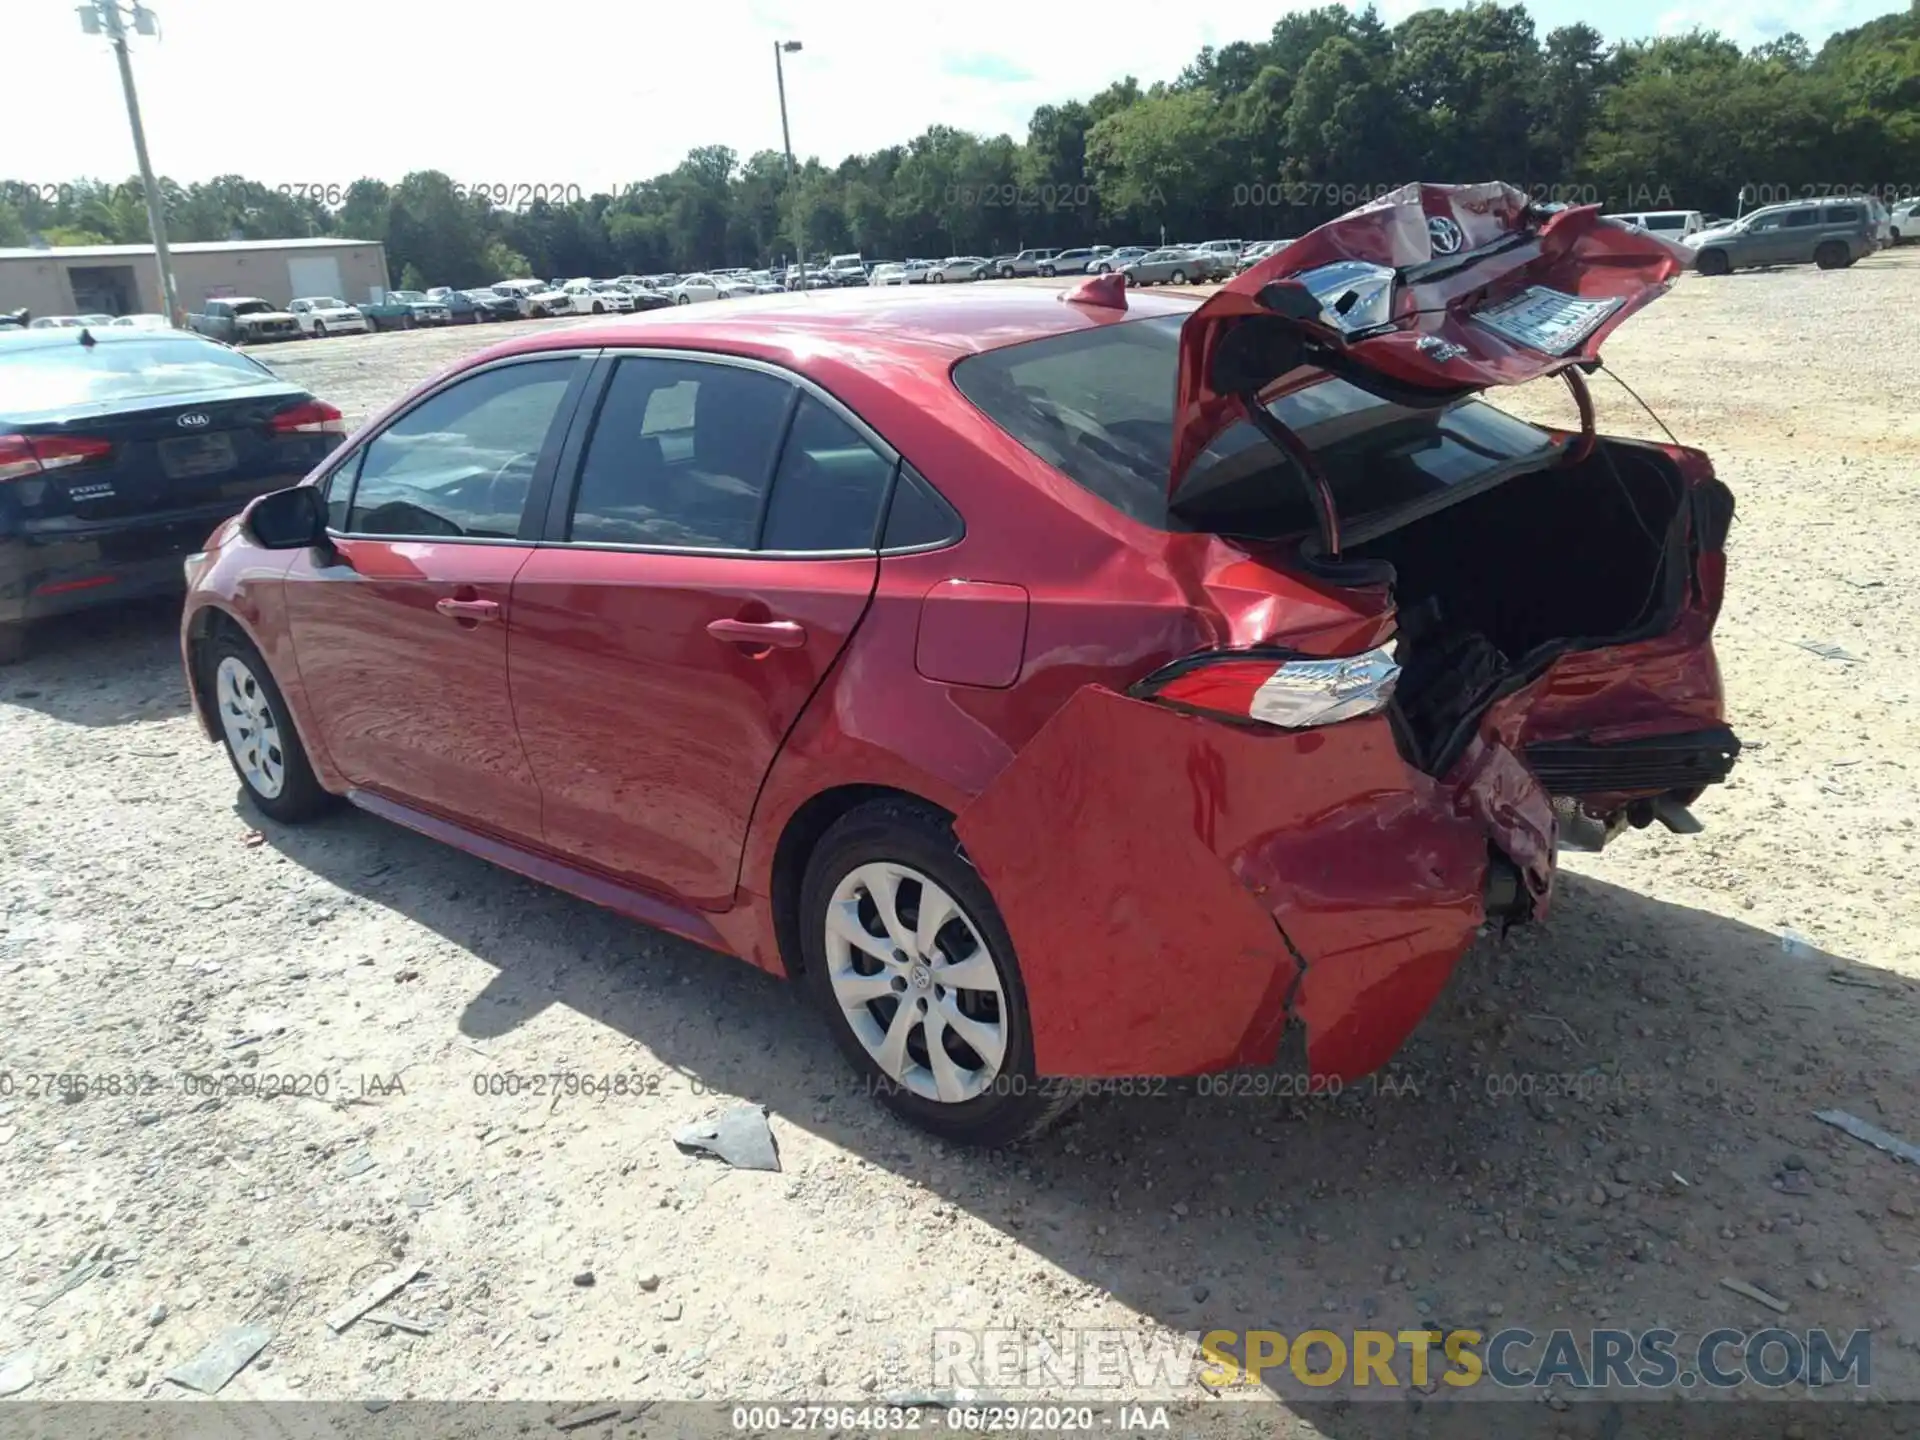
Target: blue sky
point(596, 94)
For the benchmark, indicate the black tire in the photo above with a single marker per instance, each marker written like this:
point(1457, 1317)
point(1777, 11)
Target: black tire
point(1017, 1105)
point(1713, 262)
point(683, 299)
point(598, 308)
point(319, 329)
point(408, 322)
point(13, 642)
point(1832, 255)
point(300, 797)
point(1178, 277)
point(937, 278)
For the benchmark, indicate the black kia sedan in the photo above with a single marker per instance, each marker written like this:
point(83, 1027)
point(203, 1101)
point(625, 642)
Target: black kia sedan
point(120, 452)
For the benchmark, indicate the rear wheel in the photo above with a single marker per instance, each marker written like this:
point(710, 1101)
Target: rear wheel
point(907, 956)
point(1832, 255)
point(683, 299)
point(258, 733)
point(1713, 262)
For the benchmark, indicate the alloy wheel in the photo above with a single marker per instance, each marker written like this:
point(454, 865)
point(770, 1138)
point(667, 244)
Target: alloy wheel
point(252, 729)
point(916, 982)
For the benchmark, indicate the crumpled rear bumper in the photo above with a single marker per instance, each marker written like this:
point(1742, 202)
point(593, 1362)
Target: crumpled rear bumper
point(1179, 889)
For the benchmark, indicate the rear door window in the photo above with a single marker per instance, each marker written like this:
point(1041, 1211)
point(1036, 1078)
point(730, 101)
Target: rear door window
point(830, 486)
point(681, 455)
point(1843, 215)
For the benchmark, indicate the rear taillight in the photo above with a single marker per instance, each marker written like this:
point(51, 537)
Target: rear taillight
point(23, 456)
point(309, 417)
point(1277, 689)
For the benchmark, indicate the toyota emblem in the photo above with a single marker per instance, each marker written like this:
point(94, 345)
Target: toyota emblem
point(194, 419)
point(1444, 235)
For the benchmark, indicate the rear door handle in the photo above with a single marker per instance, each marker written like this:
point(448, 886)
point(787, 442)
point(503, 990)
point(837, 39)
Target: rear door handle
point(468, 609)
point(759, 634)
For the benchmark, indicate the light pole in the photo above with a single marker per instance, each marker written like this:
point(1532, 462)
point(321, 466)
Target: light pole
point(786, 140)
point(97, 16)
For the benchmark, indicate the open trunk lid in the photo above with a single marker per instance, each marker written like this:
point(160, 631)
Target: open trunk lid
point(1424, 296)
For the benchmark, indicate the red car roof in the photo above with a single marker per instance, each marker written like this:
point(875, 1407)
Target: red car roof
point(940, 322)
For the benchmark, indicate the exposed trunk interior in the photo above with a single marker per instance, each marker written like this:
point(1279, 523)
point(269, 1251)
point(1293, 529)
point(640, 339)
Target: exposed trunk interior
point(1491, 588)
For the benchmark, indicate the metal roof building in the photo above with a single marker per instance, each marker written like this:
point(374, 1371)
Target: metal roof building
point(123, 280)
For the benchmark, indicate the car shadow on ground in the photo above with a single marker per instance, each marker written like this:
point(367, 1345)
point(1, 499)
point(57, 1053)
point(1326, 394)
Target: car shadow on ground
point(117, 665)
point(1619, 1102)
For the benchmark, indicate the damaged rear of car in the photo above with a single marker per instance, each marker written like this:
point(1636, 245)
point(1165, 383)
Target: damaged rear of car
point(1446, 642)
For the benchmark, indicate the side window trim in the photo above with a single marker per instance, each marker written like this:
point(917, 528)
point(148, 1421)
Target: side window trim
point(557, 429)
point(566, 481)
point(794, 396)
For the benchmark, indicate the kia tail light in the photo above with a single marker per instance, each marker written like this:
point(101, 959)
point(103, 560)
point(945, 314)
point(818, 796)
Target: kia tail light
point(309, 417)
point(22, 456)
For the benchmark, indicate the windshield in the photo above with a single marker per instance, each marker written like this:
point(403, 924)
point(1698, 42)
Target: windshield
point(40, 378)
point(408, 295)
point(1097, 405)
point(252, 307)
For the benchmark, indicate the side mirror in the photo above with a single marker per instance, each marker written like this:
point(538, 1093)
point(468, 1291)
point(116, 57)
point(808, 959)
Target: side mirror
point(293, 519)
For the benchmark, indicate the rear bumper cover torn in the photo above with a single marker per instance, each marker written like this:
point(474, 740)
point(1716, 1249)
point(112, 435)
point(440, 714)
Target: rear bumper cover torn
point(1179, 890)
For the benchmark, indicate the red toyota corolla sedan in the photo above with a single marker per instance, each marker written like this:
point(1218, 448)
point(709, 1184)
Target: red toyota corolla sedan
point(1058, 684)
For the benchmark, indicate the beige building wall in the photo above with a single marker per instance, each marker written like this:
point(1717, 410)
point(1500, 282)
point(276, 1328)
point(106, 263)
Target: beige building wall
point(45, 284)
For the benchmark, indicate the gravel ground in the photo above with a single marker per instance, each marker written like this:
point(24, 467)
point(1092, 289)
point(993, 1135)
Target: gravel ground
point(1706, 993)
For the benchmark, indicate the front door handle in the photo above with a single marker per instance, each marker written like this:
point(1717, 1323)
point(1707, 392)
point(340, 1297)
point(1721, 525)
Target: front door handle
point(468, 610)
point(759, 634)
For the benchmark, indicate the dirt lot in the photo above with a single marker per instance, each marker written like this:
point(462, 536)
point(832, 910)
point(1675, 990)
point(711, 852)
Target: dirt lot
point(1705, 994)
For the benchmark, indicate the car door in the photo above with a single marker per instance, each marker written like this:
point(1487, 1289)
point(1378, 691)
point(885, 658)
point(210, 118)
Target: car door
point(1793, 243)
point(401, 633)
point(706, 565)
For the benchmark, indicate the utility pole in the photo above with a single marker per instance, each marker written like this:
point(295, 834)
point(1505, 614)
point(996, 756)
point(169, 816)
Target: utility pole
point(97, 16)
point(786, 141)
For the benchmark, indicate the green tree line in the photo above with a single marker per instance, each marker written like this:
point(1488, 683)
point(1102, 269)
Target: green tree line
point(1257, 139)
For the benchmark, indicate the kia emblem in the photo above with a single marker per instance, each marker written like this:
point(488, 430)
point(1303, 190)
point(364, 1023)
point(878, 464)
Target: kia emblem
point(1444, 235)
point(194, 419)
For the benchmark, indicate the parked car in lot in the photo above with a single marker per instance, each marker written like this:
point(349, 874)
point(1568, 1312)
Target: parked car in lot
point(645, 297)
point(707, 287)
point(143, 322)
point(1073, 262)
point(847, 270)
point(535, 298)
point(1673, 224)
point(1115, 259)
point(1172, 267)
point(1903, 222)
point(119, 456)
point(956, 268)
point(598, 297)
point(464, 309)
point(1111, 735)
point(405, 310)
point(1224, 253)
point(1829, 233)
point(322, 315)
point(1257, 252)
point(903, 272)
point(1027, 262)
point(241, 320)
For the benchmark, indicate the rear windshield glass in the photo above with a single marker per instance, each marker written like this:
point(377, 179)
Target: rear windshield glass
point(1666, 222)
point(37, 378)
point(1097, 405)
